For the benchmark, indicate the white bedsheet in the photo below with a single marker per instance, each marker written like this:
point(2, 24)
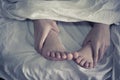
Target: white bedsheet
point(20, 61)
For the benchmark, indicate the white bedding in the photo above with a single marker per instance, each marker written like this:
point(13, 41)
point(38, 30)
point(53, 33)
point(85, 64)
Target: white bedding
point(20, 61)
point(63, 10)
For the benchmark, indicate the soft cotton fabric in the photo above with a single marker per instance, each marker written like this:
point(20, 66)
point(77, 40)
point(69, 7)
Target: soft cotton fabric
point(20, 61)
point(102, 11)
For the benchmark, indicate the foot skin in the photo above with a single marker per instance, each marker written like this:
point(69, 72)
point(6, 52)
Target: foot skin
point(53, 48)
point(41, 29)
point(47, 42)
point(84, 57)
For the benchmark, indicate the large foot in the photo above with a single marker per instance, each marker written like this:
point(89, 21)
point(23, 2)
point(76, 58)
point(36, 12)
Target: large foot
point(84, 57)
point(47, 42)
point(53, 48)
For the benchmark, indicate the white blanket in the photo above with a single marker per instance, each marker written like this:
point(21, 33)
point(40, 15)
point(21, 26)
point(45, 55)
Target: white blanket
point(103, 11)
point(20, 61)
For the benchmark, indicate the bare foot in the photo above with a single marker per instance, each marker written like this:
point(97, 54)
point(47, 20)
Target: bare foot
point(41, 29)
point(84, 57)
point(47, 42)
point(53, 48)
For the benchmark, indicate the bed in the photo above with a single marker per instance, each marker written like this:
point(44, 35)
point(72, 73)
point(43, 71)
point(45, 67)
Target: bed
point(20, 61)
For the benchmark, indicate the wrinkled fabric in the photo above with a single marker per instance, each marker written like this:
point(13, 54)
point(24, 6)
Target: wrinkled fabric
point(63, 10)
point(20, 61)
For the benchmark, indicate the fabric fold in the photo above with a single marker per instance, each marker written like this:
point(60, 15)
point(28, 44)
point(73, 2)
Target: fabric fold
point(102, 11)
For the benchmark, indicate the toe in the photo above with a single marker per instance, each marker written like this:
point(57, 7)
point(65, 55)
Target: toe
point(64, 56)
point(78, 59)
point(75, 55)
point(86, 64)
point(48, 54)
point(69, 56)
point(58, 55)
point(82, 62)
point(52, 54)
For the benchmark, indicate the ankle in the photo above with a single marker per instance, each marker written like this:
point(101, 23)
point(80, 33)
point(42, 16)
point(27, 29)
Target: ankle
point(47, 23)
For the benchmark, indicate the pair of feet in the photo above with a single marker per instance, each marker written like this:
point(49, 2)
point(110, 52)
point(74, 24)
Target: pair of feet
point(48, 44)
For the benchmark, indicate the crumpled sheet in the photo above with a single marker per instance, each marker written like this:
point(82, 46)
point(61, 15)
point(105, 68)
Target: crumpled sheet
point(63, 10)
point(20, 61)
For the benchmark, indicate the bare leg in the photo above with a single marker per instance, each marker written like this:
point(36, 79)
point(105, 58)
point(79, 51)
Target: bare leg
point(41, 30)
point(47, 42)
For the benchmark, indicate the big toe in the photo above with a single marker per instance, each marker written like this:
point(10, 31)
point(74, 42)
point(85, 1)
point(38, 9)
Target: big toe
point(75, 55)
point(69, 56)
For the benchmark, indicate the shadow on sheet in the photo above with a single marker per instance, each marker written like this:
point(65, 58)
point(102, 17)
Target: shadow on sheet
point(20, 61)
